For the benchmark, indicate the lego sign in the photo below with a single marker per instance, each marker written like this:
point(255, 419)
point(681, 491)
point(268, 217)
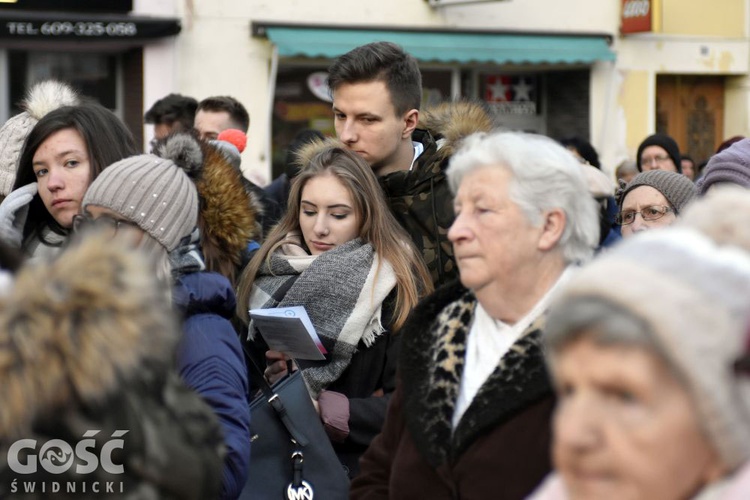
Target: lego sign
point(636, 16)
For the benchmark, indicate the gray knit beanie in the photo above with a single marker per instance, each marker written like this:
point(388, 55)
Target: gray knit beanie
point(230, 152)
point(41, 99)
point(156, 193)
point(692, 295)
point(731, 166)
point(676, 188)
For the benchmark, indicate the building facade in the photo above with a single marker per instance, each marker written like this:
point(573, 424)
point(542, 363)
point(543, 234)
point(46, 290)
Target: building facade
point(610, 71)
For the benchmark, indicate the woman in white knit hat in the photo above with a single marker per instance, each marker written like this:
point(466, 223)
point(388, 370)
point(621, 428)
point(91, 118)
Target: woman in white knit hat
point(151, 202)
point(62, 154)
point(650, 404)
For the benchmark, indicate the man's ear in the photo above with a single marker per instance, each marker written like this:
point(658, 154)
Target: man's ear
point(411, 119)
point(553, 227)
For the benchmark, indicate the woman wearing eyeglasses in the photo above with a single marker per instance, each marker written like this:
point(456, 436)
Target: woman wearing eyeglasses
point(652, 199)
point(151, 203)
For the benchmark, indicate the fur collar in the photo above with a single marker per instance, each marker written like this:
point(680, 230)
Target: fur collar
point(451, 122)
point(431, 365)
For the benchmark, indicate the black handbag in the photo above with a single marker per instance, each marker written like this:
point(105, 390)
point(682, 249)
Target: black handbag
point(291, 456)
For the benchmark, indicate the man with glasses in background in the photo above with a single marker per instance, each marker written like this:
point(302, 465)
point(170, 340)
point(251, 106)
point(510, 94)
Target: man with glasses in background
point(658, 152)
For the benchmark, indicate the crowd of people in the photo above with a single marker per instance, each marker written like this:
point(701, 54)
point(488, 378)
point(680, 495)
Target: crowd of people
point(494, 323)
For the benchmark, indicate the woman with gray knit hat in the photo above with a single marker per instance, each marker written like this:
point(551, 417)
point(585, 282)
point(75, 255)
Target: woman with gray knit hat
point(152, 202)
point(652, 199)
point(650, 401)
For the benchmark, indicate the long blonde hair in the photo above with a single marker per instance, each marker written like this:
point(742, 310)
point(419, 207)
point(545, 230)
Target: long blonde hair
point(378, 226)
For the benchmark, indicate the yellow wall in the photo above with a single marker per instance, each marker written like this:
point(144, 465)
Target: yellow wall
point(724, 18)
point(634, 100)
point(736, 105)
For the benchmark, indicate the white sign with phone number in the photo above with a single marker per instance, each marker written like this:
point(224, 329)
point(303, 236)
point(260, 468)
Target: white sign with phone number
point(68, 28)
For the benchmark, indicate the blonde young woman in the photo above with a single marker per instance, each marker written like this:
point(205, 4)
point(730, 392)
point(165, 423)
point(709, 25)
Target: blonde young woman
point(339, 252)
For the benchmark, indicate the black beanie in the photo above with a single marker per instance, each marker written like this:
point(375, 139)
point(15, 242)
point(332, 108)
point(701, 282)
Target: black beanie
point(664, 141)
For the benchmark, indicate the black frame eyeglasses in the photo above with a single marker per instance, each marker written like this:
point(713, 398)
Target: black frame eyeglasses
point(103, 223)
point(652, 212)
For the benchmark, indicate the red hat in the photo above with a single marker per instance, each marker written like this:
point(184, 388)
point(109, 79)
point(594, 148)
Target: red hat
point(234, 136)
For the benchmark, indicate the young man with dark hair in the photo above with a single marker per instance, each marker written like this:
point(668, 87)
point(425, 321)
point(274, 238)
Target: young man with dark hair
point(219, 113)
point(173, 113)
point(376, 91)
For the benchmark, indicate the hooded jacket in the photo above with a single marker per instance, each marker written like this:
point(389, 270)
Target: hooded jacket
point(86, 356)
point(229, 215)
point(420, 198)
point(210, 361)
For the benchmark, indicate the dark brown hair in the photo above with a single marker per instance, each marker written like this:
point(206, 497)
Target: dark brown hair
point(381, 61)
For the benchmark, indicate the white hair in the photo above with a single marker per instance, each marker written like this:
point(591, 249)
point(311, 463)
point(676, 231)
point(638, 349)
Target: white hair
point(544, 175)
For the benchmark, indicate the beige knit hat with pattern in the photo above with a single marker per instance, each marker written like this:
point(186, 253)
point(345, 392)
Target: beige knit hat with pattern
point(155, 193)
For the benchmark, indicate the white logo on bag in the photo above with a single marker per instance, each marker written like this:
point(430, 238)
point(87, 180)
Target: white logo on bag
point(303, 492)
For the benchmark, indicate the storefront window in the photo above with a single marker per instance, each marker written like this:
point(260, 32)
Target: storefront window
point(93, 75)
point(515, 98)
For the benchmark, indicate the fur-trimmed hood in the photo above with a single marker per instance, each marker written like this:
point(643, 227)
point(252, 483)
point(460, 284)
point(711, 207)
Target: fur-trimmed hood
point(228, 213)
point(78, 329)
point(451, 122)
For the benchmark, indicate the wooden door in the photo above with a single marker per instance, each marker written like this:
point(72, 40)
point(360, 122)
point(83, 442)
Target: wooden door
point(690, 109)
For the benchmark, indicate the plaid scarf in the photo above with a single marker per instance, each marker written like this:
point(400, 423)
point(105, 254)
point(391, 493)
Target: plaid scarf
point(342, 290)
point(187, 257)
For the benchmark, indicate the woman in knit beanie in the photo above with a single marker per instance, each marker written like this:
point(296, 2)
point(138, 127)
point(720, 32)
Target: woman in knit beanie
point(152, 202)
point(652, 199)
point(63, 153)
point(650, 402)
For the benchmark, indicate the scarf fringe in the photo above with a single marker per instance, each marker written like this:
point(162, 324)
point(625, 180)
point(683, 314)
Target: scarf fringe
point(374, 329)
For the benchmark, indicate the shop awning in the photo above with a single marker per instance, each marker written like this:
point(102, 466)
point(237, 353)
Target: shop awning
point(50, 26)
point(443, 46)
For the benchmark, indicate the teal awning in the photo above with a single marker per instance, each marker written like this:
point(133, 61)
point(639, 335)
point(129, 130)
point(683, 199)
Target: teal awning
point(445, 47)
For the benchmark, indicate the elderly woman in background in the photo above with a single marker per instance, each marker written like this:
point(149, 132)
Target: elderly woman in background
point(650, 406)
point(652, 199)
point(470, 417)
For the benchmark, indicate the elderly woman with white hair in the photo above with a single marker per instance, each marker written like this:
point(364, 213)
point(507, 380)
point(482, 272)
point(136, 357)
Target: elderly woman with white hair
point(652, 402)
point(471, 414)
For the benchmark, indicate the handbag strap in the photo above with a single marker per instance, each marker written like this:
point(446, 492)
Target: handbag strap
point(273, 399)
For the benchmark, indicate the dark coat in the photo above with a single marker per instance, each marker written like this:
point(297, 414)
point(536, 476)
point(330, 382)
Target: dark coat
point(367, 383)
point(372, 371)
point(420, 199)
point(500, 448)
point(210, 360)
